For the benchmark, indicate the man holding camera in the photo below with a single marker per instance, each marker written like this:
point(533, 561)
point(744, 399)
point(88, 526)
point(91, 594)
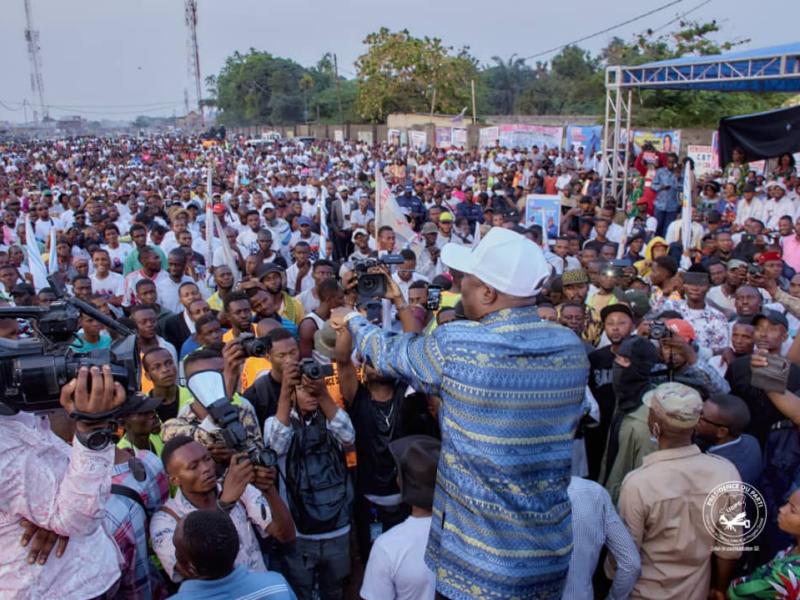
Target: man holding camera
point(502, 374)
point(193, 420)
point(248, 495)
point(309, 441)
point(46, 485)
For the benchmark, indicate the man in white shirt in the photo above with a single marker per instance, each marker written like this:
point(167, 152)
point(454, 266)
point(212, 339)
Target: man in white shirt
point(105, 282)
point(298, 276)
point(248, 238)
point(396, 568)
point(406, 273)
point(749, 207)
point(777, 205)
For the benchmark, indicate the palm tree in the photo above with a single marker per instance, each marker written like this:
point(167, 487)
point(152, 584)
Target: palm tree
point(509, 78)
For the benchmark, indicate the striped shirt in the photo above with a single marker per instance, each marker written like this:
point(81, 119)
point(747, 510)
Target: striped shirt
point(512, 386)
point(595, 523)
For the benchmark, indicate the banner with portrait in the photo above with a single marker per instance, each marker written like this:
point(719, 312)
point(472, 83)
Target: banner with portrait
point(544, 210)
point(590, 138)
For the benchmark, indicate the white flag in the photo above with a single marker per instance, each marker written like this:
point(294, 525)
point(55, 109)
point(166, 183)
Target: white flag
point(52, 263)
point(476, 239)
point(35, 262)
point(227, 253)
point(686, 209)
point(323, 230)
point(209, 219)
point(387, 212)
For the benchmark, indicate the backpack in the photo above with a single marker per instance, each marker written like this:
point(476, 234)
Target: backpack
point(317, 484)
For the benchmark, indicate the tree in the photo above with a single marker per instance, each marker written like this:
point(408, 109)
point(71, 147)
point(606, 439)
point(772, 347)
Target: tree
point(504, 82)
point(402, 73)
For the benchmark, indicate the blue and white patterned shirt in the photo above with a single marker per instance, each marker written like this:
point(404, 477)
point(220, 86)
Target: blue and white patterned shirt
point(512, 386)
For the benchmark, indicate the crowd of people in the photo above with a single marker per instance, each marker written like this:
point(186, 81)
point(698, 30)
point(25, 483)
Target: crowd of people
point(516, 413)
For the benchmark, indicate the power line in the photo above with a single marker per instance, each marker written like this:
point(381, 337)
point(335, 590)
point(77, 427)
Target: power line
point(606, 30)
point(681, 16)
point(21, 106)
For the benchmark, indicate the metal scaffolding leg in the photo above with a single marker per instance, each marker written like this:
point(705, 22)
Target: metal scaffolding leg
point(616, 136)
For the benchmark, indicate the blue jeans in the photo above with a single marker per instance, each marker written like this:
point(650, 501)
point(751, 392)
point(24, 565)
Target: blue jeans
point(664, 218)
point(326, 561)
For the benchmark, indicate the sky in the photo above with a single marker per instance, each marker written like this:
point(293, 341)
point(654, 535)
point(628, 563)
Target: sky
point(117, 59)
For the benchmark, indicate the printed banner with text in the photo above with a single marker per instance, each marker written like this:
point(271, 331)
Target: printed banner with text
point(528, 136)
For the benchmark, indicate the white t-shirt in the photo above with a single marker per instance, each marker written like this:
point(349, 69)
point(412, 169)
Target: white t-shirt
point(112, 285)
point(118, 254)
point(396, 568)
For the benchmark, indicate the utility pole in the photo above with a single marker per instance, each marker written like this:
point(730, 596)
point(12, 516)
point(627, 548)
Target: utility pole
point(190, 13)
point(338, 91)
point(474, 112)
point(35, 59)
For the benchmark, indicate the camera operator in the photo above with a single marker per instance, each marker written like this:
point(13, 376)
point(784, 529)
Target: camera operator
point(309, 438)
point(60, 490)
point(193, 419)
point(247, 494)
point(678, 350)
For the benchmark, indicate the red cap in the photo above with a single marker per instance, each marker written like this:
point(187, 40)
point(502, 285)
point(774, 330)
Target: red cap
point(219, 209)
point(768, 256)
point(682, 328)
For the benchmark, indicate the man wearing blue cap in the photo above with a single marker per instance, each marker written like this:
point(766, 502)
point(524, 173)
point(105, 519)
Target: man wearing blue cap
point(416, 210)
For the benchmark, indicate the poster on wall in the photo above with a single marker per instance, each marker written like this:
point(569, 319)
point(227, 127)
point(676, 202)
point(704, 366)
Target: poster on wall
point(663, 141)
point(587, 137)
point(459, 137)
point(338, 135)
point(703, 157)
point(527, 136)
point(543, 210)
point(444, 137)
point(365, 137)
point(488, 137)
point(417, 139)
point(393, 137)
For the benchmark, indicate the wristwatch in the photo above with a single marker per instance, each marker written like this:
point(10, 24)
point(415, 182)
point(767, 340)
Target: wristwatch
point(96, 439)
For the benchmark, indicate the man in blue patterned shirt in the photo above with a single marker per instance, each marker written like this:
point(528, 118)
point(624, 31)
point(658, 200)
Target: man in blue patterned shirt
point(511, 388)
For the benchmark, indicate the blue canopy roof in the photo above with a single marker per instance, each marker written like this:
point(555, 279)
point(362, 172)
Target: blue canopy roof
point(774, 69)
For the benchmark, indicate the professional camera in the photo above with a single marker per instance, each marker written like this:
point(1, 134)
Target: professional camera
point(755, 270)
point(254, 346)
point(208, 388)
point(373, 285)
point(33, 371)
point(659, 330)
point(313, 370)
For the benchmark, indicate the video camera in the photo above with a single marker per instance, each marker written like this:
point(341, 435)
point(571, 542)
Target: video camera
point(373, 285)
point(208, 388)
point(33, 371)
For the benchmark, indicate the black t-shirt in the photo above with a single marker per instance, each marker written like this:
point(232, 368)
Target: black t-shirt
point(763, 413)
point(376, 424)
point(601, 362)
point(166, 412)
point(264, 395)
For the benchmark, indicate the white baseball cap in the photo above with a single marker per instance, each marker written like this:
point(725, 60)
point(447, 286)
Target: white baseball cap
point(507, 261)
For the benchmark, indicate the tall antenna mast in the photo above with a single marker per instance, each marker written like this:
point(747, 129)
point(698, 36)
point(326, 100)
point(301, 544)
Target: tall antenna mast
point(35, 58)
point(194, 53)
